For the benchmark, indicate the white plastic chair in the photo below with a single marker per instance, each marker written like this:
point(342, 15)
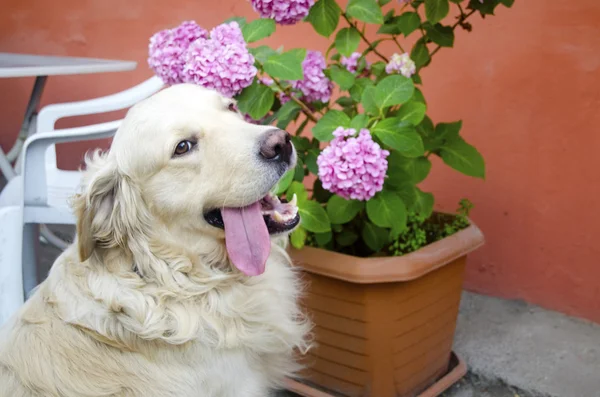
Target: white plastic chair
point(40, 195)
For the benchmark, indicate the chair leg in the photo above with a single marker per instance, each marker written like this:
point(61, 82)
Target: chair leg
point(30, 250)
point(11, 270)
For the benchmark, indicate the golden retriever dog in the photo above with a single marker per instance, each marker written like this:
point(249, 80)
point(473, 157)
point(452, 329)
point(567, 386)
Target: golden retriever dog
point(176, 284)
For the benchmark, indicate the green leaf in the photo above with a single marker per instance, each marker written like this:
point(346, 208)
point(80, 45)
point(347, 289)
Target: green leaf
point(299, 190)
point(418, 168)
point(287, 113)
point(346, 41)
point(313, 217)
point(284, 182)
point(261, 53)
point(463, 157)
point(346, 238)
point(299, 170)
point(418, 96)
point(359, 87)
point(420, 54)
point(258, 29)
point(369, 101)
point(484, 8)
point(424, 203)
point(256, 100)
point(298, 238)
point(400, 136)
point(386, 209)
point(311, 161)
point(341, 211)
point(365, 10)
point(378, 69)
point(405, 24)
point(402, 169)
point(436, 10)
point(287, 66)
point(342, 77)
point(374, 236)
point(394, 90)
point(241, 21)
point(383, 2)
point(415, 199)
point(412, 112)
point(507, 3)
point(323, 238)
point(345, 102)
point(448, 131)
point(333, 119)
point(439, 34)
point(300, 143)
point(324, 17)
point(319, 193)
point(359, 121)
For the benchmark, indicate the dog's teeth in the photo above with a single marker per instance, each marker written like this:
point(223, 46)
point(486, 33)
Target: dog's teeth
point(294, 200)
point(278, 217)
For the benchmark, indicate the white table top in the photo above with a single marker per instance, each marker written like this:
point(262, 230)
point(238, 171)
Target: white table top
point(24, 65)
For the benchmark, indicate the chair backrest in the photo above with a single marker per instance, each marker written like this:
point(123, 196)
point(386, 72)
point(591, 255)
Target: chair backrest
point(34, 171)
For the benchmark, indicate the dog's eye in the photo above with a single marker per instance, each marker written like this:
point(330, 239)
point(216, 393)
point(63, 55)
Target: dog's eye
point(232, 108)
point(183, 147)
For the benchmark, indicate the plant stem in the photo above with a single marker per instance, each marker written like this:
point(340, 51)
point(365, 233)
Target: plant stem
point(463, 17)
point(398, 43)
point(364, 38)
point(305, 109)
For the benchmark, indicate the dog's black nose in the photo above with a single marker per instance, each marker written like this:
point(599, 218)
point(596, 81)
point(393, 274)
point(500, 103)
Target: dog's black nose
point(276, 145)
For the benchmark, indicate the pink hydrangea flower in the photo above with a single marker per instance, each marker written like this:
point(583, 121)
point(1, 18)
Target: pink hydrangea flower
point(284, 12)
point(221, 62)
point(353, 167)
point(351, 63)
point(315, 86)
point(401, 64)
point(167, 47)
point(227, 33)
point(266, 80)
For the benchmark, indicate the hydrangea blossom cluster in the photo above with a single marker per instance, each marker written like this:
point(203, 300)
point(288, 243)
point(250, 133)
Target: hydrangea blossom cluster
point(189, 54)
point(353, 167)
point(221, 62)
point(401, 64)
point(315, 86)
point(167, 47)
point(284, 12)
point(351, 63)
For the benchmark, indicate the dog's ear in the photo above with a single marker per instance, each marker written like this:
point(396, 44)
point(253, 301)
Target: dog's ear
point(110, 210)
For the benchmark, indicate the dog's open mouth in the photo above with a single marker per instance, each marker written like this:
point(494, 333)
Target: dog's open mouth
point(280, 216)
point(247, 230)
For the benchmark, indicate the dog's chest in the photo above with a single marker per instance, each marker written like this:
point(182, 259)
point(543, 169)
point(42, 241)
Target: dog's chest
point(225, 374)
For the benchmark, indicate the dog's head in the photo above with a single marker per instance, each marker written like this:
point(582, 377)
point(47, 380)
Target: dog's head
point(185, 163)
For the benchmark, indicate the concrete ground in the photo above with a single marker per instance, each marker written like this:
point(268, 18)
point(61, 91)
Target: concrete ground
point(512, 349)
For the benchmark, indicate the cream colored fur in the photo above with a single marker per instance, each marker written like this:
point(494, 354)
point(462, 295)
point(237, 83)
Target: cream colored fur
point(146, 303)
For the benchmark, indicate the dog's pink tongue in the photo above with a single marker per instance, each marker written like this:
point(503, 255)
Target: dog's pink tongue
point(247, 238)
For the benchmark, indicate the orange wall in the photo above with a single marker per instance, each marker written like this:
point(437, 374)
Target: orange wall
point(526, 83)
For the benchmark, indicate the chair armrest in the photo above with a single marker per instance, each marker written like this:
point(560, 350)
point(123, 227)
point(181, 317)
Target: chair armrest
point(34, 166)
point(48, 116)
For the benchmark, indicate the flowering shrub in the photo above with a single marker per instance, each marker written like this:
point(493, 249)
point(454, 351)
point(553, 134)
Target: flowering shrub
point(369, 141)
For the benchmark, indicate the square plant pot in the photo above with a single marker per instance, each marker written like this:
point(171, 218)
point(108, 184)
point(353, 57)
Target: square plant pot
point(384, 326)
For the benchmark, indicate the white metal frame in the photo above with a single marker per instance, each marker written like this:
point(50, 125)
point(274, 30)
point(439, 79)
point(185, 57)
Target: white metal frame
point(41, 193)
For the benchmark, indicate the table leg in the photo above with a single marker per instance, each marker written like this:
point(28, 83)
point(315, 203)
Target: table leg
point(26, 127)
point(31, 277)
point(5, 166)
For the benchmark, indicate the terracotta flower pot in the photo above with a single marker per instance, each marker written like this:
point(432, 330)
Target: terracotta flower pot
point(384, 326)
